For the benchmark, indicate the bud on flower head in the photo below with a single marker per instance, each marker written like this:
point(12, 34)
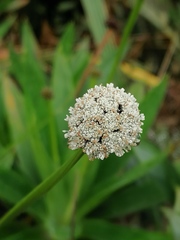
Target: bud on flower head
point(105, 120)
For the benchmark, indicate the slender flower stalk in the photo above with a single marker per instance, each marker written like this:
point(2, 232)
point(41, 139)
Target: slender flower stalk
point(105, 120)
point(41, 189)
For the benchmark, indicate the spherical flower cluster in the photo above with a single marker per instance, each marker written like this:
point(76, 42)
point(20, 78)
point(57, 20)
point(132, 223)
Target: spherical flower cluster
point(105, 120)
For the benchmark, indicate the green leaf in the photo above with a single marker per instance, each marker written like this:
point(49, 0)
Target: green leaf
point(11, 5)
point(107, 169)
point(102, 230)
point(174, 219)
point(173, 215)
point(6, 160)
point(40, 189)
point(79, 61)
point(42, 159)
point(6, 25)
point(4, 128)
point(15, 109)
point(124, 40)
point(67, 39)
point(66, 6)
point(145, 150)
point(138, 90)
point(63, 89)
point(96, 16)
point(5, 4)
point(87, 173)
point(152, 103)
point(146, 194)
point(22, 232)
point(13, 186)
point(177, 202)
point(27, 69)
point(104, 189)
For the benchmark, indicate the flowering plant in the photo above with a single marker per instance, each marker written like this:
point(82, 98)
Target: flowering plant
point(105, 120)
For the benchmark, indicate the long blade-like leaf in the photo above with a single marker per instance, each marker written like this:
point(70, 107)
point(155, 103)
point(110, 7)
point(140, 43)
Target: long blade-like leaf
point(104, 189)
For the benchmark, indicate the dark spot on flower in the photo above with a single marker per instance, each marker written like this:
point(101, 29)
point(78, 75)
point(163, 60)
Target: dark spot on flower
point(81, 121)
point(116, 130)
point(95, 99)
point(86, 141)
point(105, 111)
point(119, 109)
point(100, 139)
point(97, 122)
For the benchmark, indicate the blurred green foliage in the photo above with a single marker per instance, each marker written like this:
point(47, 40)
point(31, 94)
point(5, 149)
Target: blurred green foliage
point(94, 199)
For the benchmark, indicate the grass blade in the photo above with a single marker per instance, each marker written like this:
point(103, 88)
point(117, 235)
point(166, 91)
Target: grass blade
point(103, 190)
point(152, 103)
point(103, 230)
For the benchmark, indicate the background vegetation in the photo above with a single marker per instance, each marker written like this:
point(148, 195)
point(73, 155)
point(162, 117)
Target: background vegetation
point(50, 53)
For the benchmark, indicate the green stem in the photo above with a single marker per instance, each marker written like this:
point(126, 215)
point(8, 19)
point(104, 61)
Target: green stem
point(41, 189)
point(127, 30)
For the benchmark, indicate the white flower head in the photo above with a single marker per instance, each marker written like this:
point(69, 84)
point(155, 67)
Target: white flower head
point(105, 120)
